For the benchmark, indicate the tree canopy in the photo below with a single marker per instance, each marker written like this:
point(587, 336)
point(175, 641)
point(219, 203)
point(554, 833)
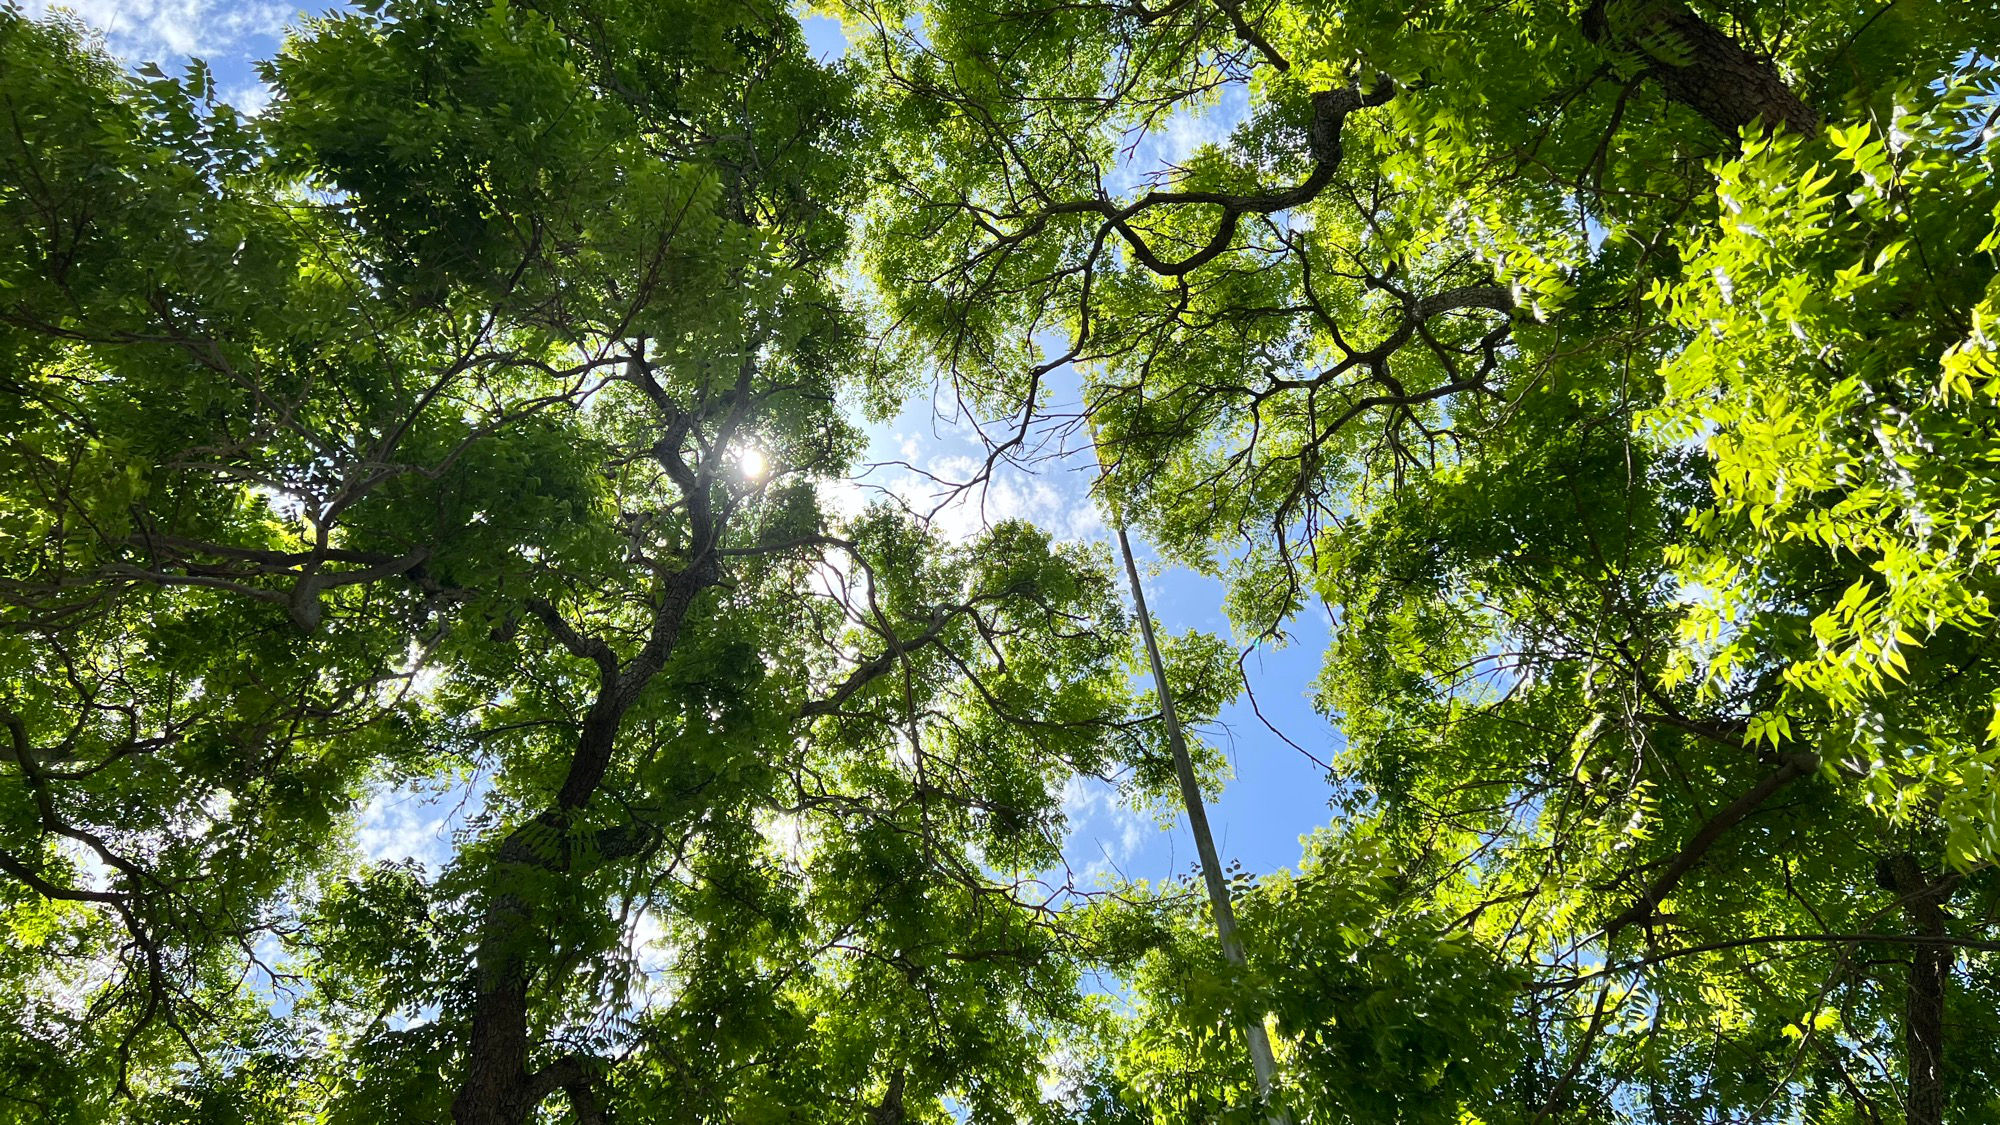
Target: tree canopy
point(1618, 377)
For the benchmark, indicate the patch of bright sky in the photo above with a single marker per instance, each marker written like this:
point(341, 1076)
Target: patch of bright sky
point(417, 820)
point(824, 38)
point(1179, 137)
point(230, 35)
point(1277, 794)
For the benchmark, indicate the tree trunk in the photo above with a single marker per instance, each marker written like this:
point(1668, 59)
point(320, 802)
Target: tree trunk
point(1262, 1062)
point(1698, 66)
point(496, 1066)
point(1930, 975)
point(889, 1111)
point(498, 1088)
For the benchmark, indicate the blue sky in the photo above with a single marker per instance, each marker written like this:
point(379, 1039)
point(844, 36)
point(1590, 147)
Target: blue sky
point(1277, 793)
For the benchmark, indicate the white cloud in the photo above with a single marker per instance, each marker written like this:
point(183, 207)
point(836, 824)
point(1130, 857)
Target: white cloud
point(1178, 138)
point(414, 822)
point(1189, 130)
point(250, 99)
point(160, 30)
point(1104, 834)
point(843, 499)
point(944, 488)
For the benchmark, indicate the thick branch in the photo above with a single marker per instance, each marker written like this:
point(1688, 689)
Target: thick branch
point(1698, 66)
point(1251, 36)
point(49, 890)
point(1330, 111)
point(1795, 766)
point(872, 669)
point(1497, 298)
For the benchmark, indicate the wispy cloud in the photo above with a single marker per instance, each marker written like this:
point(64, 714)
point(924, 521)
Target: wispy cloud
point(1183, 134)
point(943, 478)
point(250, 98)
point(168, 31)
point(415, 821)
point(1104, 832)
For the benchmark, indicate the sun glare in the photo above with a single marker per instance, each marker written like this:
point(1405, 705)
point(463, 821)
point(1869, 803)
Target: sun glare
point(753, 464)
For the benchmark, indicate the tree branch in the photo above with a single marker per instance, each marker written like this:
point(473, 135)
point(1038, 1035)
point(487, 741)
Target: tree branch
point(1795, 766)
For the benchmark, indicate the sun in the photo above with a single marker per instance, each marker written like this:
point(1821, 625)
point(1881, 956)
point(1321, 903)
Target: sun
point(753, 464)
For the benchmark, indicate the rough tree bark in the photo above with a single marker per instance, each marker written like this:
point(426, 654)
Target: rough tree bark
point(1698, 66)
point(1930, 976)
point(889, 1111)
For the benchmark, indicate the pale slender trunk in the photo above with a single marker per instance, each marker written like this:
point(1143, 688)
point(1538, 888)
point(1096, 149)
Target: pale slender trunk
point(1261, 1059)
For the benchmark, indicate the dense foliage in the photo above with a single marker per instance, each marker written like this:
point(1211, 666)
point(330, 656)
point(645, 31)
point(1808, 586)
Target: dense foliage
point(1620, 377)
point(462, 418)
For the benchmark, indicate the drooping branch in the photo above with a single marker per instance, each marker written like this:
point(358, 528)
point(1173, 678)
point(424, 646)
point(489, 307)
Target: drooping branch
point(1331, 109)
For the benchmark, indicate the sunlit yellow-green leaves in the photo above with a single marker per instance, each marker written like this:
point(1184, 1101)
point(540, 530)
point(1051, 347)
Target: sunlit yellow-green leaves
point(1837, 373)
